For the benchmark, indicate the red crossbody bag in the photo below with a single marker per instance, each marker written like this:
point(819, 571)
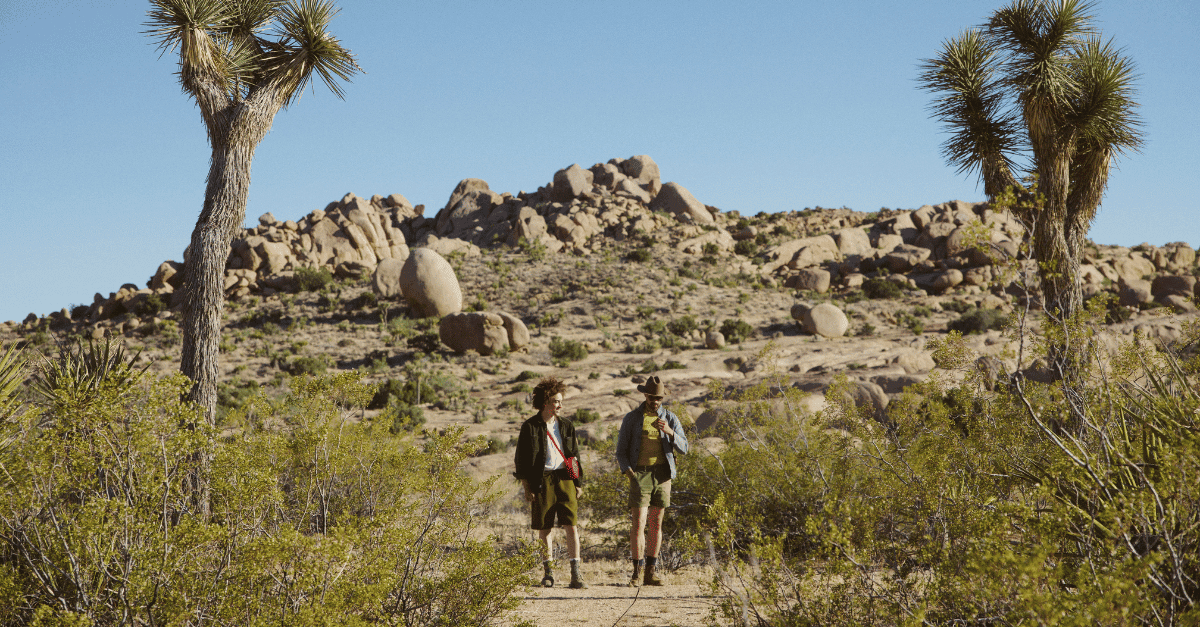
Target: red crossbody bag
point(571, 462)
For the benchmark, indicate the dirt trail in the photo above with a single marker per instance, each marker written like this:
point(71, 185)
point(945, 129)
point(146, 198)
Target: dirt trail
point(683, 602)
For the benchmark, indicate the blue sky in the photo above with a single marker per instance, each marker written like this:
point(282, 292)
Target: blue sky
point(760, 106)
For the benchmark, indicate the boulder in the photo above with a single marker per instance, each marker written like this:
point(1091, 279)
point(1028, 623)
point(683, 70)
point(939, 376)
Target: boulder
point(714, 339)
point(643, 169)
point(386, 280)
point(480, 331)
point(870, 398)
point(853, 241)
point(811, 279)
point(168, 273)
point(1183, 285)
point(679, 202)
point(529, 226)
point(606, 175)
point(429, 284)
point(825, 320)
point(904, 258)
point(914, 361)
point(896, 383)
point(799, 253)
point(570, 182)
point(518, 333)
point(901, 225)
point(938, 282)
point(1133, 292)
point(1181, 304)
point(1133, 268)
point(631, 189)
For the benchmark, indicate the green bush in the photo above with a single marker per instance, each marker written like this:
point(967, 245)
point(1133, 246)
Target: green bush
point(316, 521)
point(312, 279)
point(881, 288)
point(527, 375)
point(403, 418)
point(306, 365)
point(563, 351)
point(640, 255)
point(151, 305)
point(584, 416)
point(682, 326)
point(736, 330)
point(979, 321)
point(746, 248)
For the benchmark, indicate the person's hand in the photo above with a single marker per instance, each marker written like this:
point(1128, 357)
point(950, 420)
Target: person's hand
point(661, 425)
point(632, 475)
point(578, 492)
point(530, 496)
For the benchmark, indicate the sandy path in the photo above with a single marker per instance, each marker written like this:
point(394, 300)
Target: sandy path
point(683, 601)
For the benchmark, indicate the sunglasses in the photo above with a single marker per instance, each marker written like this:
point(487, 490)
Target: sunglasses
point(651, 397)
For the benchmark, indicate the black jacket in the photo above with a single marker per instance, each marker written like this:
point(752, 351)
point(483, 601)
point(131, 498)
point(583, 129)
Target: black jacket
point(530, 458)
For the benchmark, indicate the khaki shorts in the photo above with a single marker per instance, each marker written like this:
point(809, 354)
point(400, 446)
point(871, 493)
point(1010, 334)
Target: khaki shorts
point(651, 488)
point(557, 500)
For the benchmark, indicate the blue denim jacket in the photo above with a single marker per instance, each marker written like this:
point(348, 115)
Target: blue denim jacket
point(629, 440)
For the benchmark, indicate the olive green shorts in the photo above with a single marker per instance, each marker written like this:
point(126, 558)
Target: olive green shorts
point(557, 500)
point(652, 488)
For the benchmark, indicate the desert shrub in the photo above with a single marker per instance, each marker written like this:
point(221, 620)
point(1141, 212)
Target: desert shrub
point(673, 365)
point(565, 351)
point(120, 541)
point(534, 249)
point(306, 366)
point(527, 375)
point(403, 418)
point(584, 416)
point(881, 288)
point(151, 305)
point(746, 248)
point(736, 330)
point(958, 306)
point(978, 321)
point(1032, 504)
point(654, 327)
point(640, 255)
point(710, 249)
point(427, 342)
point(235, 394)
point(683, 325)
point(366, 300)
point(312, 279)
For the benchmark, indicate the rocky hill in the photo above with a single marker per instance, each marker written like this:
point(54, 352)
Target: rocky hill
point(606, 275)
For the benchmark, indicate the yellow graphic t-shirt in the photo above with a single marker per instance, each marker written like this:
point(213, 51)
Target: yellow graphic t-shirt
point(651, 452)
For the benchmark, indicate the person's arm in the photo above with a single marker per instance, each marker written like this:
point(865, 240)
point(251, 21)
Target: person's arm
point(678, 438)
point(521, 459)
point(623, 448)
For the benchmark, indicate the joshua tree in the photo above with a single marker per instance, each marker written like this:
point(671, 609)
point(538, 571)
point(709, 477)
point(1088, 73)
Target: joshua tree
point(242, 61)
point(1037, 90)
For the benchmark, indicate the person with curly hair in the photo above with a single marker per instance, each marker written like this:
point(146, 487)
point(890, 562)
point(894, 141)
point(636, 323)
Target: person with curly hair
point(546, 442)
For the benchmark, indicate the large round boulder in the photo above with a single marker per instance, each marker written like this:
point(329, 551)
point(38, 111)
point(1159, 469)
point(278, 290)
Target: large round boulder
point(679, 202)
point(480, 331)
point(825, 320)
point(429, 284)
point(386, 280)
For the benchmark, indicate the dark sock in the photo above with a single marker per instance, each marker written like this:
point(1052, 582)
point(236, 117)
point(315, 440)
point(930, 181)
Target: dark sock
point(650, 561)
point(636, 563)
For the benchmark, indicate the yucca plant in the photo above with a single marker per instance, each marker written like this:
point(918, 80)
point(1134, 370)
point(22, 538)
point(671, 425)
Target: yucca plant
point(1036, 94)
point(12, 374)
point(241, 61)
point(75, 378)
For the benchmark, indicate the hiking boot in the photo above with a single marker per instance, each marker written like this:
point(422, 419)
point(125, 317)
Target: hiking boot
point(650, 579)
point(576, 578)
point(548, 577)
point(635, 579)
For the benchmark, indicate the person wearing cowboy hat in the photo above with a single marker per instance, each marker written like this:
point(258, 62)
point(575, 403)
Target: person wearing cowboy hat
point(650, 438)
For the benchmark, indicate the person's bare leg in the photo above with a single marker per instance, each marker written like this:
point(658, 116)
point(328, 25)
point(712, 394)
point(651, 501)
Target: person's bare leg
point(637, 529)
point(572, 541)
point(654, 531)
point(547, 542)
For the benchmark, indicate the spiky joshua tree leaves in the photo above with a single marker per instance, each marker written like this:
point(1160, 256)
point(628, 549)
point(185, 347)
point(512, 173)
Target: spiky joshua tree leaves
point(1035, 93)
point(241, 61)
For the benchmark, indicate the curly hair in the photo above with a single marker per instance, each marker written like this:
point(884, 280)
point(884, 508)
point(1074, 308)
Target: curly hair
point(547, 388)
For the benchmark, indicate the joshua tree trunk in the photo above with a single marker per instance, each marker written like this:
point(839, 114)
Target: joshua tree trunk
point(235, 134)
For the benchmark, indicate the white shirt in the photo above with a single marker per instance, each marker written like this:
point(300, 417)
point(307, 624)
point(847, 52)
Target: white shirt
point(554, 460)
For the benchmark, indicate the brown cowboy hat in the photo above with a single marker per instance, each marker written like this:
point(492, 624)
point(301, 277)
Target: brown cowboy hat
point(654, 387)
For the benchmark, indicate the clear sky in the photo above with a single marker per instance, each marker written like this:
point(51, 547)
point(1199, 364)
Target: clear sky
point(754, 106)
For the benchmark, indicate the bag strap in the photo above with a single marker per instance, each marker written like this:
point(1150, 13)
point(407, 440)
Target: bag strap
point(551, 438)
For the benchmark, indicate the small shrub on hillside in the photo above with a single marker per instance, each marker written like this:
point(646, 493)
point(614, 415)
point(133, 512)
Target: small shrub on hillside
point(402, 418)
point(641, 255)
point(746, 248)
point(366, 300)
point(151, 305)
point(979, 321)
point(312, 279)
point(584, 416)
point(428, 342)
point(710, 249)
point(881, 288)
point(736, 330)
point(957, 306)
point(306, 365)
point(682, 326)
point(565, 351)
point(526, 375)
point(534, 249)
